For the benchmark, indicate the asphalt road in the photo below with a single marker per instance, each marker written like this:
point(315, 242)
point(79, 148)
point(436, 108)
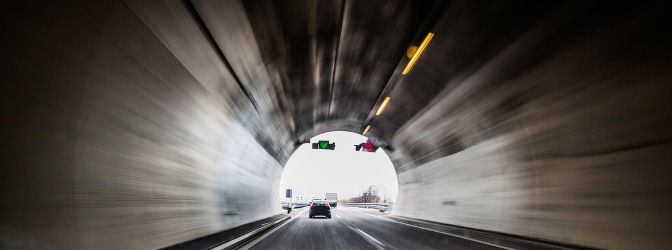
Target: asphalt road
point(354, 228)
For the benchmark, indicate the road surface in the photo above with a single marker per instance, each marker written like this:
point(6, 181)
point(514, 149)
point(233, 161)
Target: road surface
point(356, 228)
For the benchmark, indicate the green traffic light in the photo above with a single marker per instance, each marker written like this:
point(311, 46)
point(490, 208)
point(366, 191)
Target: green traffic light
point(324, 144)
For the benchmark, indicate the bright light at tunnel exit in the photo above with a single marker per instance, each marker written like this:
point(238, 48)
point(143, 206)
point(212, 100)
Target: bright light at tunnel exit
point(312, 173)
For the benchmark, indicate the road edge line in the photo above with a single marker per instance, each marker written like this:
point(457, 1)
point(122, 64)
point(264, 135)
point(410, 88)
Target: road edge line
point(437, 231)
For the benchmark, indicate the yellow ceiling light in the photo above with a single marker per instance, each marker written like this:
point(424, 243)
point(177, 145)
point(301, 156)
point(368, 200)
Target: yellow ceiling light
point(366, 130)
point(411, 51)
point(418, 52)
point(382, 106)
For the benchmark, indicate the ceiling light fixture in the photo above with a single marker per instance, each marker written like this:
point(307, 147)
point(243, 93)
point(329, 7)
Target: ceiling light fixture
point(418, 52)
point(366, 130)
point(382, 106)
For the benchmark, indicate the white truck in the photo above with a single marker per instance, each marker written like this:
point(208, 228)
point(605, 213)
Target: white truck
point(332, 198)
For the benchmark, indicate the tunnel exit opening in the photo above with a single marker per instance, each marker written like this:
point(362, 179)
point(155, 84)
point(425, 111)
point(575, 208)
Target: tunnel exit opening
point(311, 172)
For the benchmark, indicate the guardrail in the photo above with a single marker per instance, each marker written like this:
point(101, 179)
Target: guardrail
point(294, 204)
point(380, 206)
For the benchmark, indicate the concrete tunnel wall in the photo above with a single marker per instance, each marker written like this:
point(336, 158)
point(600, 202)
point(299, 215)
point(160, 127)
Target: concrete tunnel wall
point(119, 138)
point(119, 135)
point(575, 148)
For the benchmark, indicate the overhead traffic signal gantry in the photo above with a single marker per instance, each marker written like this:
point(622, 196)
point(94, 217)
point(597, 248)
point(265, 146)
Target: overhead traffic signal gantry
point(324, 145)
point(367, 146)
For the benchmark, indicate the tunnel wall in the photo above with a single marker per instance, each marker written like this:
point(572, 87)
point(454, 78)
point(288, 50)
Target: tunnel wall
point(117, 139)
point(565, 143)
point(125, 129)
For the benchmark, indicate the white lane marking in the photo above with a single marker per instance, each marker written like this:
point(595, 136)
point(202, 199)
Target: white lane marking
point(436, 231)
point(260, 238)
point(240, 238)
point(379, 244)
point(297, 215)
point(338, 216)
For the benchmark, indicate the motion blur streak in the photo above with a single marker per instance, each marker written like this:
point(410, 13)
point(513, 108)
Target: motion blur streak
point(417, 54)
point(125, 126)
point(382, 105)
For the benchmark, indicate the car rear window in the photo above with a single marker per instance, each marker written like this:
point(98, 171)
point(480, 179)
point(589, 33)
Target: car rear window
point(320, 203)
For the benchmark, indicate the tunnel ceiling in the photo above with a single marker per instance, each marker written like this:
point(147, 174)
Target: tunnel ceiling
point(333, 62)
point(335, 58)
point(319, 66)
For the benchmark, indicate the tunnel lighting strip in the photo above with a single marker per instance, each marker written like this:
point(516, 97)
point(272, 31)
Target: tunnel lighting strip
point(417, 54)
point(366, 130)
point(382, 106)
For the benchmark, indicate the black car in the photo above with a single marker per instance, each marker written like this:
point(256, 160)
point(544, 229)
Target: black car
point(320, 208)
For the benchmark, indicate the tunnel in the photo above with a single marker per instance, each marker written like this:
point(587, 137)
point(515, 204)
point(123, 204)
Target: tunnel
point(144, 124)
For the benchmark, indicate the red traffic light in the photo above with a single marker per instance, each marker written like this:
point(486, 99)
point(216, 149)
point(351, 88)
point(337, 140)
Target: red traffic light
point(367, 146)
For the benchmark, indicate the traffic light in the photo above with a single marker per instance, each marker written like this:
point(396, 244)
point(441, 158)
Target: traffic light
point(367, 146)
point(324, 145)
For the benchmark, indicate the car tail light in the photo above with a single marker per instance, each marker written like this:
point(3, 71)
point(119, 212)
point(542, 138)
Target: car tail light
point(313, 206)
point(328, 207)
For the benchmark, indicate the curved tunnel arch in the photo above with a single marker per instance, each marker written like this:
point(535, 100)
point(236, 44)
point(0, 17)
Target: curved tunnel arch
point(126, 117)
